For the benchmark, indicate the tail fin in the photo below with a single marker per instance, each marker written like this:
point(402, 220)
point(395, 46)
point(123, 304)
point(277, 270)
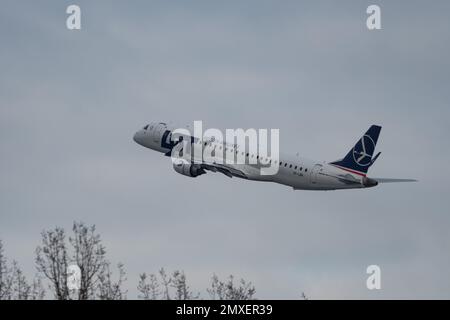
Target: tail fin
point(360, 157)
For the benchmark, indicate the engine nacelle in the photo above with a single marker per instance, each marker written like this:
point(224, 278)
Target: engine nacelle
point(187, 169)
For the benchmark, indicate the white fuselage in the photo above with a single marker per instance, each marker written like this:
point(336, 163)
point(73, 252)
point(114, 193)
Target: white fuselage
point(294, 171)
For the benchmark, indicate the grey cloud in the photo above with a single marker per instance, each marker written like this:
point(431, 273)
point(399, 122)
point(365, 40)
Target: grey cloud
point(70, 102)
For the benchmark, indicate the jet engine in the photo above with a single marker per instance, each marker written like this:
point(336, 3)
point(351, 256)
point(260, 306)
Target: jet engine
point(187, 169)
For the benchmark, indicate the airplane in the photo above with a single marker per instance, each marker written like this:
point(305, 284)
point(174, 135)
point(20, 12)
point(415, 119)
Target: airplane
point(299, 173)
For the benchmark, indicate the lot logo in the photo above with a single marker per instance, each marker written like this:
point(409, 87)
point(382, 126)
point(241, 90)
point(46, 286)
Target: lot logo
point(363, 151)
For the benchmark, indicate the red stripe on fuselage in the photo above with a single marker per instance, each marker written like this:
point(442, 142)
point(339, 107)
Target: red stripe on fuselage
point(349, 170)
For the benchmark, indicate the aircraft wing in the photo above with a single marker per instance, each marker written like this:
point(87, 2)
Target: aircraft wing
point(389, 180)
point(226, 170)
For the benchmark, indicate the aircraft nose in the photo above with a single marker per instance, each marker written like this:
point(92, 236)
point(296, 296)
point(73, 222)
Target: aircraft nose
point(138, 137)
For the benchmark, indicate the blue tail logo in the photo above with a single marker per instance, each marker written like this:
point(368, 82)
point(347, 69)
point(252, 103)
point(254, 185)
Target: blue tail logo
point(363, 151)
point(360, 158)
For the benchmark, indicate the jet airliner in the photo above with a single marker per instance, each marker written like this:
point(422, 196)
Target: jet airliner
point(299, 173)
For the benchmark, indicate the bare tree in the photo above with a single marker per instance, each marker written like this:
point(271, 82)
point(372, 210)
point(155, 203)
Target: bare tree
point(150, 290)
point(5, 277)
point(165, 284)
point(52, 261)
point(37, 291)
point(107, 288)
point(88, 253)
point(182, 290)
point(229, 291)
point(20, 289)
point(165, 288)
point(84, 248)
point(13, 283)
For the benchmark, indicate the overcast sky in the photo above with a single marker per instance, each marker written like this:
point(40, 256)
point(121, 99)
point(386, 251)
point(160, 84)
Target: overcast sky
point(70, 102)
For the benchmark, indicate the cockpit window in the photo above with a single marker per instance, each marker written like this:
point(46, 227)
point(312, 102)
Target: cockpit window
point(146, 127)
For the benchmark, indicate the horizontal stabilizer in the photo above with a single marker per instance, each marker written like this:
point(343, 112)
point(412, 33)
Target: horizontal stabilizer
point(389, 180)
